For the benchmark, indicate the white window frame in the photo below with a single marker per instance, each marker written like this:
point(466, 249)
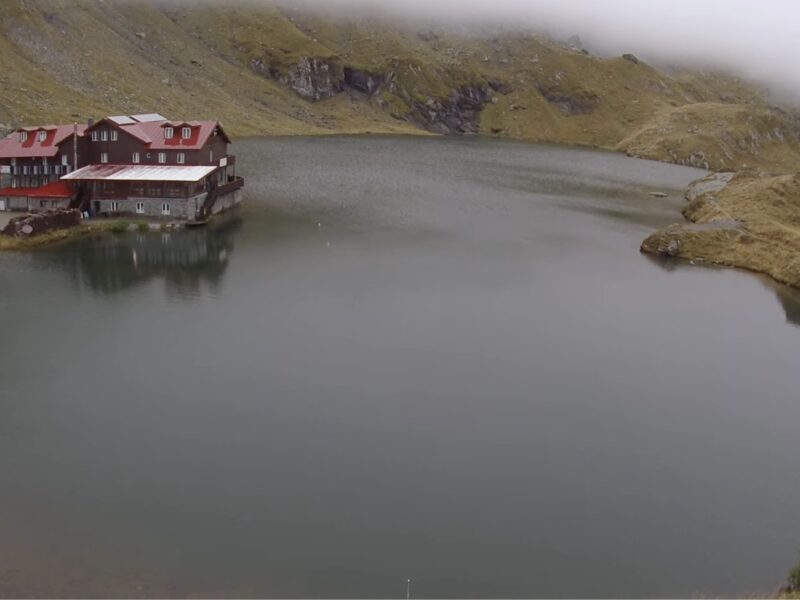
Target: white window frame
point(35, 169)
point(186, 133)
point(169, 133)
point(64, 160)
point(42, 136)
point(115, 206)
point(23, 136)
point(26, 170)
point(104, 158)
point(114, 135)
point(140, 208)
point(57, 170)
point(165, 209)
point(181, 158)
point(95, 135)
point(104, 135)
point(136, 158)
point(162, 158)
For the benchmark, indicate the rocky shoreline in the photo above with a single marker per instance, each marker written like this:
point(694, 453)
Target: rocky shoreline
point(743, 220)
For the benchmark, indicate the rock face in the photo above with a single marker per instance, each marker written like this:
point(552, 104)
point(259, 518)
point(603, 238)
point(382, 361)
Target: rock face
point(362, 81)
point(579, 103)
point(458, 114)
point(36, 224)
point(310, 78)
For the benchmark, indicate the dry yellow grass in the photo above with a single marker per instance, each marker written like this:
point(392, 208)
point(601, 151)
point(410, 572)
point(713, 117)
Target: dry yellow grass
point(753, 223)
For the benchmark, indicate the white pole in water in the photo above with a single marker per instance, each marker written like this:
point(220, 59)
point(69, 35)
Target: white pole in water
point(408, 589)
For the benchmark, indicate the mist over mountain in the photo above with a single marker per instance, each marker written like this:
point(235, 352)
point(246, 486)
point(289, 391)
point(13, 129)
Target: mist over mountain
point(760, 41)
point(597, 77)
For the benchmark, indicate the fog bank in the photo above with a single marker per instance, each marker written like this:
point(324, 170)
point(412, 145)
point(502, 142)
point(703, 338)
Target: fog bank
point(760, 41)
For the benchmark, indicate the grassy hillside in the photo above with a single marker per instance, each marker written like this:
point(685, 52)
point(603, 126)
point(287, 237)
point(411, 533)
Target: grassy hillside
point(267, 70)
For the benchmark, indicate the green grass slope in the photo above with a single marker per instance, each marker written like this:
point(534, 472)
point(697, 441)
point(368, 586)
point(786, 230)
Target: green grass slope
point(267, 70)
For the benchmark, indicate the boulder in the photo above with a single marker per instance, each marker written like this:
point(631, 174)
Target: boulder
point(31, 225)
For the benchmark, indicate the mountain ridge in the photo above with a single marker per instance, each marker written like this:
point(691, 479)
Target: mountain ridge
point(263, 69)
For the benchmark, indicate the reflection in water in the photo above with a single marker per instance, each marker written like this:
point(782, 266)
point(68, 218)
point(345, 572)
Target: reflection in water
point(787, 296)
point(789, 299)
point(187, 260)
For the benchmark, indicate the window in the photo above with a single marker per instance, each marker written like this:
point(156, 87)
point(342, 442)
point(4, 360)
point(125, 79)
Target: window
point(136, 158)
point(181, 158)
point(23, 136)
point(169, 132)
point(165, 208)
point(95, 136)
point(35, 169)
point(186, 133)
point(64, 160)
point(42, 136)
point(104, 157)
point(26, 170)
point(104, 135)
point(162, 158)
point(114, 135)
point(57, 170)
point(42, 203)
point(114, 206)
point(140, 208)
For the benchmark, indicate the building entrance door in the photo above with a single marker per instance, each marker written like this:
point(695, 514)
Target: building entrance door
point(96, 207)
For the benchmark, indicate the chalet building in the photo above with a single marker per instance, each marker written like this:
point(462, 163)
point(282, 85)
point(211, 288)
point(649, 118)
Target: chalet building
point(143, 165)
point(32, 161)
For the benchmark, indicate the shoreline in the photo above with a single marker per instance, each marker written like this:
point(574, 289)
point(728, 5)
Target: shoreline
point(738, 220)
point(85, 229)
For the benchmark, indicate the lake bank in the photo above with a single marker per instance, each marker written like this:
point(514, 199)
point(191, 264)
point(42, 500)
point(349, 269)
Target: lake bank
point(738, 220)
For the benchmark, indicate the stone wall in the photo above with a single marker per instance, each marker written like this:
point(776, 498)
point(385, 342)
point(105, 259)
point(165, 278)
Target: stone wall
point(179, 208)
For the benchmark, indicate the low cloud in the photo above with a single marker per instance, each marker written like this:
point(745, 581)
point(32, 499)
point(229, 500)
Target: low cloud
point(760, 41)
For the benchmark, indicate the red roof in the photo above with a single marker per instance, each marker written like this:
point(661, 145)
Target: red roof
point(152, 133)
point(58, 189)
point(12, 146)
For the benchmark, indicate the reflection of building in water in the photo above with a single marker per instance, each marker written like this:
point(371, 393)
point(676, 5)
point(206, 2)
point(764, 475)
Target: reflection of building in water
point(187, 260)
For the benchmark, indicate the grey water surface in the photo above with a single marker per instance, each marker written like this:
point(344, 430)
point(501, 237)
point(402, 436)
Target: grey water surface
point(436, 359)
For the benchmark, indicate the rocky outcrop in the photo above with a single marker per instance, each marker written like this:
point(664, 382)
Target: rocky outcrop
point(310, 78)
point(37, 224)
point(457, 114)
point(576, 103)
point(363, 81)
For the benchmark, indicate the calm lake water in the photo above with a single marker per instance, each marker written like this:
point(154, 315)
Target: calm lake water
point(436, 359)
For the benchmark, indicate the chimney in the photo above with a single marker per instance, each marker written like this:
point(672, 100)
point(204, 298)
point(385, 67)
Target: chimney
point(90, 122)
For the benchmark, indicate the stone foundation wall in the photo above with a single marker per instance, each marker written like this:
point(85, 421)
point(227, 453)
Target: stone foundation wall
point(179, 208)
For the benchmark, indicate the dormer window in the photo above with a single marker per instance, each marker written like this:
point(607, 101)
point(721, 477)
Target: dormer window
point(169, 132)
point(186, 133)
point(23, 136)
point(42, 136)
